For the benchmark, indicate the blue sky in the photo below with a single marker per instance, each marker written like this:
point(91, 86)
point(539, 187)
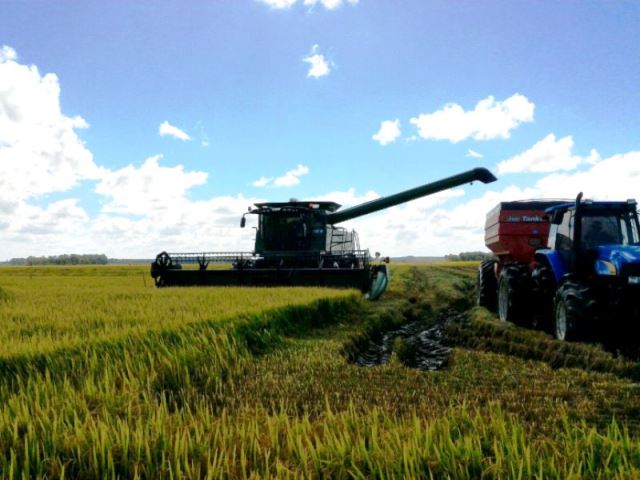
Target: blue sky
point(545, 94)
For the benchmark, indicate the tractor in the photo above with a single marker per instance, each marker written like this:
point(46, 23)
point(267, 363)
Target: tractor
point(571, 268)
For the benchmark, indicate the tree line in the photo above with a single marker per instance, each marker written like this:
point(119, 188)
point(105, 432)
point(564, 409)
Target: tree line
point(467, 256)
point(66, 259)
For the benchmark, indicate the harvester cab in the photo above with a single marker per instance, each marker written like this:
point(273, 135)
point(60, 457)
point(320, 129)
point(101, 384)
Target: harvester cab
point(299, 243)
point(291, 226)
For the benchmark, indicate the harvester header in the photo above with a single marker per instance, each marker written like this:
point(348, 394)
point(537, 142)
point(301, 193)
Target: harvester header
point(297, 243)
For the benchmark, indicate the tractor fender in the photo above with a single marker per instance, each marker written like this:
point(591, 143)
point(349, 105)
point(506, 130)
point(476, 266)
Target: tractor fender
point(555, 262)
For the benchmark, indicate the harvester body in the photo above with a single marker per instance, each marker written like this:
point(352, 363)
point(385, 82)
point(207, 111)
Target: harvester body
point(579, 282)
point(298, 243)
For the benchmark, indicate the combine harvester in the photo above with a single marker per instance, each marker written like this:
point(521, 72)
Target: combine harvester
point(298, 243)
point(570, 268)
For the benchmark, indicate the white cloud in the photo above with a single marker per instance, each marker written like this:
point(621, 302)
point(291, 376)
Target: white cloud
point(328, 4)
point(40, 151)
point(166, 129)
point(547, 155)
point(388, 133)
point(7, 54)
point(279, 3)
point(489, 119)
point(58, 217)
point(292, 177)
point(262, 182)
point(347, 198)
point(146, 209)
point(473, 154)
point(319, 67)
point(613, 178)
point(148, 188)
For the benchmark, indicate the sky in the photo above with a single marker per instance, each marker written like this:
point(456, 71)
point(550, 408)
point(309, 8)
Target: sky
point(128, 128)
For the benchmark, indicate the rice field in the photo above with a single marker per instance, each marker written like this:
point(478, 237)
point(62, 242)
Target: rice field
point(104, 376)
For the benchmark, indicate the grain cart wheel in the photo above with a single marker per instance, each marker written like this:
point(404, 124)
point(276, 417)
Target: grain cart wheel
point(513, 298)
point(573, 310)
point(487, 285)
point(543, 286)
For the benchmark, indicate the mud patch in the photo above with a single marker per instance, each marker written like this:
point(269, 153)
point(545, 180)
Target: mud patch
point(418, 344)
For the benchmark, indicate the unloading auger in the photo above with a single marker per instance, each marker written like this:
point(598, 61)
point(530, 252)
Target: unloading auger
point(298, 244)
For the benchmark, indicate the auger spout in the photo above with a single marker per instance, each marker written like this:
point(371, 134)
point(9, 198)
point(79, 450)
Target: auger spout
point(477, 174)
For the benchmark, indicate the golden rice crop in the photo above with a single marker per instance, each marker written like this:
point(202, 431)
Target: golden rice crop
point(103, 376)
point(61, 307)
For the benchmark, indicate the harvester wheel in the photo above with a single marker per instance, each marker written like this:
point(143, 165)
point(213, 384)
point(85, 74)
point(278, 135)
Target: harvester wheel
point(164, 260)
point(543, 288)
point(513, 286)
point(487, 285)
point(573, 309)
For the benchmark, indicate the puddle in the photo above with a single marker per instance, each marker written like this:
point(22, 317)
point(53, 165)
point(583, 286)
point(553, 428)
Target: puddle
point(423, 346)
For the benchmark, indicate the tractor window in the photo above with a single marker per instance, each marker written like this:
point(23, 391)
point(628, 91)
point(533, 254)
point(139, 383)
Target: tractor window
point(629, 228)
point(635, 238)
point(605, 229)
point(565, 233)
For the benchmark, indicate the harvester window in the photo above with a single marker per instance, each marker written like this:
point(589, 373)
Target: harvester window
point(283, 232)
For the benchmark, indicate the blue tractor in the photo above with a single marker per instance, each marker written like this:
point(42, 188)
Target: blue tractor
point(586, 283)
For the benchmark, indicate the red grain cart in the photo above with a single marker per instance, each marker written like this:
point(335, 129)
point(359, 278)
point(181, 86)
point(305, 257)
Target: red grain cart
point(513, 232)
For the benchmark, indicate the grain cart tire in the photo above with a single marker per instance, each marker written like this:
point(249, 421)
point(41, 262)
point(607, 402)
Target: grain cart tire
point(573, 310)
point(487, 285)
point(543, 286)
point(513, 294)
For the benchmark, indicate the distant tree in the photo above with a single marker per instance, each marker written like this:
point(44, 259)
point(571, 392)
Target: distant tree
point(72, 259)
point(468, 256)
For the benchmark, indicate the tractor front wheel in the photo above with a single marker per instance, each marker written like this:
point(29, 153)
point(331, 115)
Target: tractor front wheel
point(572, 311)
point(513, 287)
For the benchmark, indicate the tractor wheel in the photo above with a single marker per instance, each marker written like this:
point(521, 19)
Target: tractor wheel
point(543, 286)
point(487, 285)
point(573, 310)
point(513, 298)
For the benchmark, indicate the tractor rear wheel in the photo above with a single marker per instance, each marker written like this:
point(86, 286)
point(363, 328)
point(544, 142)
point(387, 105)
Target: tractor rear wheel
point(573, 310)
point(487, 285)
point(513, 294)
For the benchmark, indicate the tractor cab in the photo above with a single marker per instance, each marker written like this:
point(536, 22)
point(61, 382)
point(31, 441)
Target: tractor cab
point(595, 237)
